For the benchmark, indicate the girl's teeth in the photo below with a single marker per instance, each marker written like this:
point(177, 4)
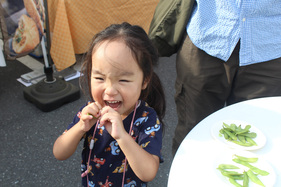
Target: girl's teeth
point(113, 104)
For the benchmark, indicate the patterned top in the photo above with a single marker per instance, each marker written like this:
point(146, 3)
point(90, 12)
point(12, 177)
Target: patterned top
point(217, 26)
point(107, 159)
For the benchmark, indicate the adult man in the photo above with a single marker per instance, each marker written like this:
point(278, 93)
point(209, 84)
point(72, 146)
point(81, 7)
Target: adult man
point(231, 53)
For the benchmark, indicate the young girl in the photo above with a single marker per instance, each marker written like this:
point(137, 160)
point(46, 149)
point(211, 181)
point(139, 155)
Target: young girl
point(122, 125)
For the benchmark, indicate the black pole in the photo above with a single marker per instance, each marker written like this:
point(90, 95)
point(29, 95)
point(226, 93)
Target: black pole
point(48, 70)
point(52, 92)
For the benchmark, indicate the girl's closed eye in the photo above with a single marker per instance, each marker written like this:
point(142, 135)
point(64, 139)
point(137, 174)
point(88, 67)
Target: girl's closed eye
point(98, 78)
point(124, 80)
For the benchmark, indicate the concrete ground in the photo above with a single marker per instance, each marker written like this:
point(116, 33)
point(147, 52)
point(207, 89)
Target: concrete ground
point(27, 134)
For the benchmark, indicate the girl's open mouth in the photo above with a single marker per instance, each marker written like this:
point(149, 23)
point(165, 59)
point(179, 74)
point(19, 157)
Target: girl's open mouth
point(113, 104)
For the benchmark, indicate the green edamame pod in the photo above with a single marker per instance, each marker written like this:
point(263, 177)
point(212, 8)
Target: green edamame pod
point(232, 181)
point(224, 134)
point(225, 172)
point(259, 171)
point(239, 128)
point(245, 179)
point(246, 159)
point(241, 138)
point(254, 178)
point(249, 134)
point(91, 115)
point(253, 168)
point(233, 127)
point(231, 135)
point(250, 140)
point(247, 144)
point(226, 125)
point(228, 166)
point(246, 129)
point(235, 177)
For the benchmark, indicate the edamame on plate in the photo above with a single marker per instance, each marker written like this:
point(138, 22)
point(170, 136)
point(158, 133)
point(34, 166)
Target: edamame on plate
point(233, 166)
point(238, 134)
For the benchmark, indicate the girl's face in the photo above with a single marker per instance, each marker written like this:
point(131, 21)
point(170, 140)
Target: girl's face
point(116, 78)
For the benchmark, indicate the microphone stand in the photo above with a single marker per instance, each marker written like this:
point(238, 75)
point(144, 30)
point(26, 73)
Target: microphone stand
point(51, 92)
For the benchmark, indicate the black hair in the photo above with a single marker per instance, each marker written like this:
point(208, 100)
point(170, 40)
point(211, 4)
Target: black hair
point(144, 53)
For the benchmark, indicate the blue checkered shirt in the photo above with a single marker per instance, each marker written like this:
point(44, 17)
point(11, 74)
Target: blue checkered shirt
point(216, 27)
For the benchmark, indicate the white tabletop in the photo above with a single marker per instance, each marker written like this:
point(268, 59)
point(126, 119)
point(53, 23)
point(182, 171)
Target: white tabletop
point(194, 162)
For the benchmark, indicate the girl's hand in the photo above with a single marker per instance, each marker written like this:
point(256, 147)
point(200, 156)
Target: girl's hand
point(112, 122)
point(89, 116)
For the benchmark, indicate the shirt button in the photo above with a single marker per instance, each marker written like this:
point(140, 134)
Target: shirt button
point(244, 19)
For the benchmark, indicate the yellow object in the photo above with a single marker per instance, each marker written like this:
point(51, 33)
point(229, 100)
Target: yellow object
point(74, 23)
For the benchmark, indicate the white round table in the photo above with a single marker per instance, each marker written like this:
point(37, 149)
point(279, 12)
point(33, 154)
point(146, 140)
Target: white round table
point(193, 164)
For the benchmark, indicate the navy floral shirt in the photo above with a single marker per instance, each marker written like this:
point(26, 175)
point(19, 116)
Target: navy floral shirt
point(107, 159)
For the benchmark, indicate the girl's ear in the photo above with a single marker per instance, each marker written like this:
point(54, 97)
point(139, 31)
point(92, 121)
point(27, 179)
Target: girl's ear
point(144, 84)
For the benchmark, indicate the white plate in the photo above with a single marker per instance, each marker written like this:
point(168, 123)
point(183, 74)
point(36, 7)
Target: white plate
point(226, 158)
point(260, 139)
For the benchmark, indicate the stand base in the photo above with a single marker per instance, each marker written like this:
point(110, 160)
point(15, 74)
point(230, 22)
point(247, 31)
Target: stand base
point(48, 96)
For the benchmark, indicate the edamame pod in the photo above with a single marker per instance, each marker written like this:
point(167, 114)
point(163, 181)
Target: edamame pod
point(225, 172)
point(224, 134)
point(228, 127)
point(254, 178)
point(233, 127)
point(225, 125)
point(250, 140)
point(232, 181)
point(241, 138)
point(251, 160)
point(246, 129)
point(253, 168)
point(249, 134)
point(235, 177)
point(231, 135)
point(91, 115)
point(228, 166)
point(239, 128)
point(247, 144)
point(245, 179)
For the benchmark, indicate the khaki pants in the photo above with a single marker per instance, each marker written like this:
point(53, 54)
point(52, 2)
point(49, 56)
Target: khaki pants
point(206, 84)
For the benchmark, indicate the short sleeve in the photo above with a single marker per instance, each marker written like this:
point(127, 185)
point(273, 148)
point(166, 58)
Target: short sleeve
point(150, 133)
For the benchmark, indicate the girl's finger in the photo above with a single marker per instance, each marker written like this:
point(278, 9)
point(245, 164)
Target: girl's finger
point(104, 118)
point(87, 117)
point(98, 105)
point(93, 109)
point(105, 110)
